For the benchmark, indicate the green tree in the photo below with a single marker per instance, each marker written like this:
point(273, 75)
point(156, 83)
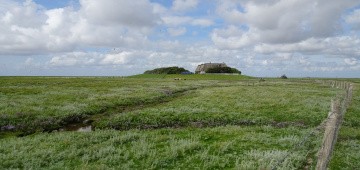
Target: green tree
point(223, 70)
point(167, 70)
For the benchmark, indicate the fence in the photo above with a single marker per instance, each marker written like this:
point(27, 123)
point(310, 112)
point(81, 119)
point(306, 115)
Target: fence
point(333, 123)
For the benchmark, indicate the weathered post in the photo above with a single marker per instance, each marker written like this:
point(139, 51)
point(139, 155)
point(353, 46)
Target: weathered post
point(330, 135)
point(332, 126)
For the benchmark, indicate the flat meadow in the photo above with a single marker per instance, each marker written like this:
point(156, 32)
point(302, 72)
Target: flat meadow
point(347, 150)
point(166, 122)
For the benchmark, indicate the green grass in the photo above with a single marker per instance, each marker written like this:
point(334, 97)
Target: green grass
point(37, 103)
point(209, 148)
point(347, 149)
point(203, 122)
point(283, 104)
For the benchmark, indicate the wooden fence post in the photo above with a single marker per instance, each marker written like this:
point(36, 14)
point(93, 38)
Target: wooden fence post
point(330, 135)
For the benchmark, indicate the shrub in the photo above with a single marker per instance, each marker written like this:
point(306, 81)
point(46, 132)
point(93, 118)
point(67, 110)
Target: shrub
point(167, 70)
point(223, 70)
point(283, 76)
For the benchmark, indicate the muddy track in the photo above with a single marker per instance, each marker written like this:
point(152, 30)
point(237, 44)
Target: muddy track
point(75, 122)
point(170, 96)
point(79, 122)
point(89, 122)
point(105, 114)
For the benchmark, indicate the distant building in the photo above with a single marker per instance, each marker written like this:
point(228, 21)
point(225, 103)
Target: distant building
point(201, 69)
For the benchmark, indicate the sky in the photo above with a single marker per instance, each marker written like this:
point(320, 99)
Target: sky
point(263, 38)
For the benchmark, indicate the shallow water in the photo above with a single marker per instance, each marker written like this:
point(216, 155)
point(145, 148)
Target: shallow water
point(85, 129)
point(78, 128)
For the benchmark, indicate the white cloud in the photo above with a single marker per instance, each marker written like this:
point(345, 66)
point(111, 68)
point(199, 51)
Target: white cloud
point(20, 26)
point(169, 46)
point(202, 22)
point(232, 37)
point(26, 14)
point(184, 5)
point(29, 61)
point(137, 13)
point(354, 19)
point(351, 61)
point(260, 35)
point(334, 46)
point(27, 28)
point(304, 61)
point(308, 45)
point(286, 21)
point(115, 59)
point(159, 9)
point(229, 10)
point(186, 20)
point(187, 57)
point(177, 31)
point(325, 67)
point(76, 59)
point(176, 20)
point(111, 58)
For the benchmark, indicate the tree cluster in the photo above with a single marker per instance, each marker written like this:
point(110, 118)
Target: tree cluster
point(283, 76)
point(167, 70)
point(223, 70)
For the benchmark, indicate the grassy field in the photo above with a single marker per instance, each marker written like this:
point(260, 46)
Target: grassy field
point(156, 122)
point(284, 104)
point(189, 148)
point(347, 149)
point(38, 103)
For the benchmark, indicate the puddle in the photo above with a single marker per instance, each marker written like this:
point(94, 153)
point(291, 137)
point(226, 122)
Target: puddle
point(85, 129)
point(78, 128)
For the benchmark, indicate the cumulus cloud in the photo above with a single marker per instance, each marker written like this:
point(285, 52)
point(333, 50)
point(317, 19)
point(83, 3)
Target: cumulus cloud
point(304, 61)
point(20, 26)
point(115, 59)
point(28, 28)
point(176, 20)
point(184, 5)
point(75, 59)
point(351, 61)
point(333, 46)
point(259, 35)
point(232, 37)
point(285, 21)
point(137, 13)
point(186, 20)
point(354, 19)
point(177, 31)
point(202, 22)
point(289, 35)
point(188, 57)
point(27, 14)
point(110, 58)
point(159, 9)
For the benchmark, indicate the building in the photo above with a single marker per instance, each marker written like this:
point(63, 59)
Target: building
point(201, 69)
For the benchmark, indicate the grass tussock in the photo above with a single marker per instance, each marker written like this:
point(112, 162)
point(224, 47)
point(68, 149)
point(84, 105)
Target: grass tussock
point(209, 148)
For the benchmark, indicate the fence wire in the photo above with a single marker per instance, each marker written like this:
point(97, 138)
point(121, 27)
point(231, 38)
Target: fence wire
point(338, 109)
